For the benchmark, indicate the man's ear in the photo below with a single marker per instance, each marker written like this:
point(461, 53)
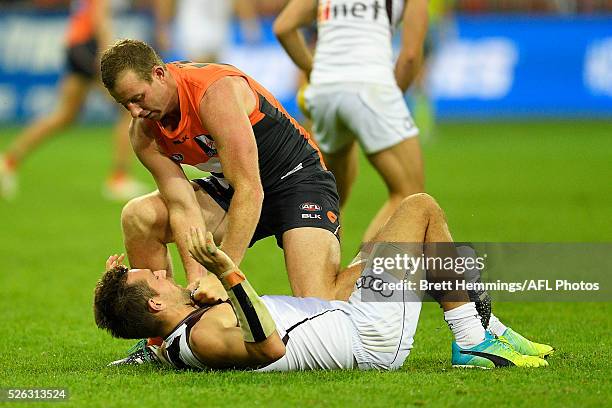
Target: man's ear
point(155, 305)
point(158, 72)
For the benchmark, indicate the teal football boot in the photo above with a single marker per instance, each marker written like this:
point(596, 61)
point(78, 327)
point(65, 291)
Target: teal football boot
point(491, 353)
point(525, 346)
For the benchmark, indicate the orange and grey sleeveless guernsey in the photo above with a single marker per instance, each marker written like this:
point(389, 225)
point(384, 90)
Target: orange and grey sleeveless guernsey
point(285, 151)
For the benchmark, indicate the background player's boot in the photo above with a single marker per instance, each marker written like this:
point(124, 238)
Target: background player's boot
point(140, 353)
point(492, 352)
point(8, 179)
point(526, 346)
point(120, 187)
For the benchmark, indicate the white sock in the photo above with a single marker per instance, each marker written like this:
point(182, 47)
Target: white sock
point(465, 324)
point(495, 326)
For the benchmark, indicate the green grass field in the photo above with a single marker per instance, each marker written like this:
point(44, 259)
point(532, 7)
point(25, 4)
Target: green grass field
point(528, 182)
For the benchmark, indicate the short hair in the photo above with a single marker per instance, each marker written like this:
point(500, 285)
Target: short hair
point(123, 309)
point(128, 54)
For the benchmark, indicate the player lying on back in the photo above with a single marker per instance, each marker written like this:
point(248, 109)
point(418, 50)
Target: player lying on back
point(286, 333)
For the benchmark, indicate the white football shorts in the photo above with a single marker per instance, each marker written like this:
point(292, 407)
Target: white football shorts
point(385, 330)
point(376, 115)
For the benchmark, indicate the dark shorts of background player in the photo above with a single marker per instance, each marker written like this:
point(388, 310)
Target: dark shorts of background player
point(81, 59)
point(313, 202)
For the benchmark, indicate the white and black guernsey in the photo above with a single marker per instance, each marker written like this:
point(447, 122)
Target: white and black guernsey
point(318, 334)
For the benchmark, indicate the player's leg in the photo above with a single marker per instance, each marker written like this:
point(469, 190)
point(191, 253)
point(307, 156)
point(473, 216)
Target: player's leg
point(304, 218)
point(146, 231)
point(72, 92)
point(377, 115)
point(312, 258)
point(401, 167)
point(419, 219)
point(406, 225)
point(123, 150)
point(344, 163)
point(119, 185)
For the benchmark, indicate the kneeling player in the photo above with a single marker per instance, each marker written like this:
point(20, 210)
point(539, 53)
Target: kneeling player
point(288, 333)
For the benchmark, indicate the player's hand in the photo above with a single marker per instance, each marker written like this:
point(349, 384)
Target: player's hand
point(114, 260)
point(205, 251)
point(208, 290)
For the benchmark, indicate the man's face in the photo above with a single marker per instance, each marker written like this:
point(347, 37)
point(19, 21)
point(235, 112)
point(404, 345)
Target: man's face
point(169, 292)
point(141, 98)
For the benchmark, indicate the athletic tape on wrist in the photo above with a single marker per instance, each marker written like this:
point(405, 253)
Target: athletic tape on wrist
point(253, 315)
point(231, 278)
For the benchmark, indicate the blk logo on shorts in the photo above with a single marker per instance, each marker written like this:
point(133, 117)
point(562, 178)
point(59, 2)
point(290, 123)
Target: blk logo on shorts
point(310, 207)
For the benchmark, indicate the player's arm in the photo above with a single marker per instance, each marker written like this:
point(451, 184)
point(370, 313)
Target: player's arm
point(221, 345)
point(224, 111)
point(174, 187)
point(103, 27)
point(296, 14)
point(414, 31)
point(216, 339)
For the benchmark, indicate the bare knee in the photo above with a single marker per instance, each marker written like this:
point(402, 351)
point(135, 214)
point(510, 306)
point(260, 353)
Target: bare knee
point(423, 203)
point(144, 217)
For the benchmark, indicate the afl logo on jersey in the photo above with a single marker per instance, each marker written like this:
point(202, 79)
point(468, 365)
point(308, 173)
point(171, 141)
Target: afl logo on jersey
point(310, 207)
point(177, 157)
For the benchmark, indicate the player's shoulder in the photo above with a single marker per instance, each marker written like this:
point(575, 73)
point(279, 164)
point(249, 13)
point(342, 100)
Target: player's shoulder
point(194, 76)
point(206, 333)
point(226, 83)
point(227, 89)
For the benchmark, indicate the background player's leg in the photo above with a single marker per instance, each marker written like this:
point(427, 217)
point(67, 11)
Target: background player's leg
point(344, 164)
point(401, 168)
point(119, 185)
point(72, 93)
point(146, 231)
point(312, 258)
point(123, 150)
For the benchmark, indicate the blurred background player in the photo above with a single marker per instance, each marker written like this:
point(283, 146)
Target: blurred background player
point(356, 93)
point(200, 30)
point(89, 32)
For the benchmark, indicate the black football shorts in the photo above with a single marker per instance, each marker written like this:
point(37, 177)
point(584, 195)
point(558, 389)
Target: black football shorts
point(81, 59)
point(313, 202)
